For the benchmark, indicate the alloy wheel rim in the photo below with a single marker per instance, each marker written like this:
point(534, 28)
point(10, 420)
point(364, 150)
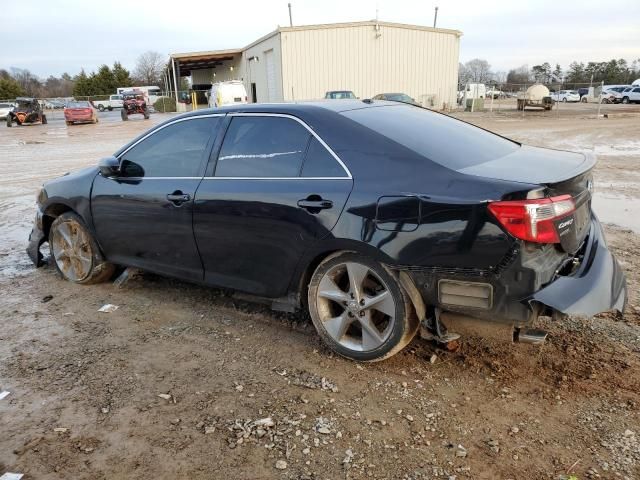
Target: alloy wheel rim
point(355, 306)
point(71, 251)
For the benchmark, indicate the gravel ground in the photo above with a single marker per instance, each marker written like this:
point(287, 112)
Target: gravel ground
point(189, 382)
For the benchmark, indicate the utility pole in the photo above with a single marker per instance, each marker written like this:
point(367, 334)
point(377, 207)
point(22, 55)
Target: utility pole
point(290, 17)
point(435, 18)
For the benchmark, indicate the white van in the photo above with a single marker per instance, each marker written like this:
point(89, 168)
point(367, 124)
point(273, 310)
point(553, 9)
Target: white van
point(227, 93)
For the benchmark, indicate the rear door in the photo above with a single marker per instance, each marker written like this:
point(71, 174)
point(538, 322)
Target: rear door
point(144, 216)
point(274, 190)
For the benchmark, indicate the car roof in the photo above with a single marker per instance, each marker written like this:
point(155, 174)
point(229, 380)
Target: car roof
point(295, 108)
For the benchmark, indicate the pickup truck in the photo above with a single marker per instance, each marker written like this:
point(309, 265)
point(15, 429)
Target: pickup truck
point(114, 101)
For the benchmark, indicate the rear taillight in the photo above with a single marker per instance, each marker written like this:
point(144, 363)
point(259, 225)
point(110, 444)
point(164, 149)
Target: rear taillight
point(533, 220)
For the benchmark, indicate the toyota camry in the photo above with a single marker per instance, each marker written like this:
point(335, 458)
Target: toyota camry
point(377, 217)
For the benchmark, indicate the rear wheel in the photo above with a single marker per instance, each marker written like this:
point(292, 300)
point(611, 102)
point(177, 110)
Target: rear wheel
point(9, 122)
point(109, 108)
point(44, 119)
point(625, 100)
point(564, 100)
point(69, 123)
point(123, 114)
point(101, 107)
point(359, 308)
point(75, 253)
point(145, 112)
point(583, 99)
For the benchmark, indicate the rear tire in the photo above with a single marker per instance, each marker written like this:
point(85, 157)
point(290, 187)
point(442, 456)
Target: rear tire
point(101, 107)
point(75, 253)
point(109, 108)
point(9, 122)
point(625, 100)
point(123, 115)
point(146, 113)
point(69, 123)
point(44, 119)
point(359, 308)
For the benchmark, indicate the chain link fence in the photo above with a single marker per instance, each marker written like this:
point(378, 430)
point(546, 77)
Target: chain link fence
point(540, 100)
point(502, 99)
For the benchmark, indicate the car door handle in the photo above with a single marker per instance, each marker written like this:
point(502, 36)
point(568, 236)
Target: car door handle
point(315, 204)
point(178, 197)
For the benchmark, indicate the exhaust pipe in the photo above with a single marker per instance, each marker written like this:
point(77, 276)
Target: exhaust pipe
point(529, 335)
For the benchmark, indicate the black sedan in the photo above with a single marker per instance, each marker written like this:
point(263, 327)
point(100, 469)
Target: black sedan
point(376, 216)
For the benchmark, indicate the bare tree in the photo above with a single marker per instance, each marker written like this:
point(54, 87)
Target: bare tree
point(149, 67)
point(478, 71)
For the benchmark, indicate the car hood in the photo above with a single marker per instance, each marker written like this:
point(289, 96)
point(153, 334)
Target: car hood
point(534, 165)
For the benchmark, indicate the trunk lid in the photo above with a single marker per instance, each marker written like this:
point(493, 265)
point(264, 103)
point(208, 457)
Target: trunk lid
point(561, 172)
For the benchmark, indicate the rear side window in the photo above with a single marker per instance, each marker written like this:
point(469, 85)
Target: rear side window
point(173, 151)
point(320, 163)
point(262, 147)
point(439, 138)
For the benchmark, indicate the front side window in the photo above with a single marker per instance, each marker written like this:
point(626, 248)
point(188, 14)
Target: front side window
point(173, 151)
point(264, 147)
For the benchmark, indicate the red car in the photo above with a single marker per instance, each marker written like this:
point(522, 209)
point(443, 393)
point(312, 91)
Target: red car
point(79, 112)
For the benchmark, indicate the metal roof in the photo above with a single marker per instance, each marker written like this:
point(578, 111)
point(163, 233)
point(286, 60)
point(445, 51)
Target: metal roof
point(210, 58)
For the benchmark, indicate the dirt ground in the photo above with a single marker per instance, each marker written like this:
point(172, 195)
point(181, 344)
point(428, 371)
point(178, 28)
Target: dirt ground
point(188, 382)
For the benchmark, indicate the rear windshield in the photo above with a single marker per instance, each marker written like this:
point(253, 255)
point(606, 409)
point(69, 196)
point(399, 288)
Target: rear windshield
point(439, 138)
point(78, 105)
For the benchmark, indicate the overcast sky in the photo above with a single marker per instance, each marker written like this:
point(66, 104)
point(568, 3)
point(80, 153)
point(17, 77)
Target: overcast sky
point(55, 36)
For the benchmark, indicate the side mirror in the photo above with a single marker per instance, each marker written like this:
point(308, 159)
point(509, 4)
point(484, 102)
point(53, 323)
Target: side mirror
point(109, 167)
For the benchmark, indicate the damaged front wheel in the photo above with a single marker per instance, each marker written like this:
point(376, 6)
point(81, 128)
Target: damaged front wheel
point(75, 253)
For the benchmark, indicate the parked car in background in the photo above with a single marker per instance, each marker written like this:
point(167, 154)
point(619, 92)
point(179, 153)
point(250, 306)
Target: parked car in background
point(631, 95)
point(582, 92)
point(396, 97)
point(340, 95)
point(227, 93)
point(494, 93)
point(5, 108)
point(565, 96)
point(448, 219)
point(53, 104)
point(79, 112)
point(613, 93)
point(114, 101)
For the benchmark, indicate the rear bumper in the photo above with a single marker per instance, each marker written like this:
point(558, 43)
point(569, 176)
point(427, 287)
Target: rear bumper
point(529, 286)
point(597, 286)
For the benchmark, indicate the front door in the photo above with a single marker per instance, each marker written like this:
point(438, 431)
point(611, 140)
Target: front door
point(143, 217)
point(276, 190)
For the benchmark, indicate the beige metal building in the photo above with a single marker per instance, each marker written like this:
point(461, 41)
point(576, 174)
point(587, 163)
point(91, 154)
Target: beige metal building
point(302, 63)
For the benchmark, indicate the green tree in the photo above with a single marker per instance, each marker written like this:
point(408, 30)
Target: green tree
point(10, 89)
point(121, 75)
point(542, 73)
point(576, 73)
point(82, 85)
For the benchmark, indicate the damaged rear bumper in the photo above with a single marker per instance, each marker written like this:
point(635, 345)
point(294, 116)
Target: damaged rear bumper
point(598, 285)
point(36, 239)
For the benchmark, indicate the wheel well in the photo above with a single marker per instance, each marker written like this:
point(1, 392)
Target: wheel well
point(50, 214)
point(305, 278)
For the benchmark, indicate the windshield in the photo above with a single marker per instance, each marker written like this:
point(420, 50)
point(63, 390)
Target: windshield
point(438, 137)
point(399, 97)
point(78, 105)
point(341, 95)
